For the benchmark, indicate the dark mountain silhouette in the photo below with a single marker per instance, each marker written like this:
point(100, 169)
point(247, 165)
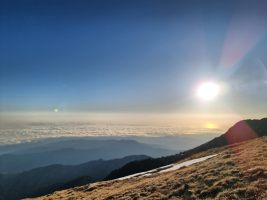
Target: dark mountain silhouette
point(45, 180)
point(75, 152)
point(241, 131)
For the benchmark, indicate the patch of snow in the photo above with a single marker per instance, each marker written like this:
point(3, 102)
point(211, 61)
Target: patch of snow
point(187, 163)
point(168, 168)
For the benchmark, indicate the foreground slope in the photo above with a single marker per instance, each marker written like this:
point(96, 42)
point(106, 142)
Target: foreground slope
point(239, 171)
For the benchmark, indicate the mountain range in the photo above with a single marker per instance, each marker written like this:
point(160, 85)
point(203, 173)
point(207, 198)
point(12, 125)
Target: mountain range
point(73, 152)
point(236, 169)
point(236, 172)
point(44, 180)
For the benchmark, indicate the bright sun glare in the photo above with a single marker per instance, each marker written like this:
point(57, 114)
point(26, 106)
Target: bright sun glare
point(210, 125)
point(208, 91)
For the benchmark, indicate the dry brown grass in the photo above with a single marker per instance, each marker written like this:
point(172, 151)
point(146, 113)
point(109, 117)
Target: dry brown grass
point(238, 172)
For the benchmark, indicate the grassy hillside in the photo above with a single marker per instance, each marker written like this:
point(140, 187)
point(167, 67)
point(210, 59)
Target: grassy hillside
point(238, 171)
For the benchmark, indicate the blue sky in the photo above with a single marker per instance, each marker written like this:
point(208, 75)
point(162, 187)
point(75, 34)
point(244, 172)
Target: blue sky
point(147, 56)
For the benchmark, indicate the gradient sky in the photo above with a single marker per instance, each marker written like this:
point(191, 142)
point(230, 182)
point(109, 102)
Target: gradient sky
point(132, 56)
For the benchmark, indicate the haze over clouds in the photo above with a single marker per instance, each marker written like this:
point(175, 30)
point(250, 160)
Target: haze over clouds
point(25, 127)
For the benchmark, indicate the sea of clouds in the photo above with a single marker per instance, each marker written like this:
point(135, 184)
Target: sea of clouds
point(35, 131)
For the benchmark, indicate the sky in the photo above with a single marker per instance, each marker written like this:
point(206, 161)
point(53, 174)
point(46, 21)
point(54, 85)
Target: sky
point(114, 56)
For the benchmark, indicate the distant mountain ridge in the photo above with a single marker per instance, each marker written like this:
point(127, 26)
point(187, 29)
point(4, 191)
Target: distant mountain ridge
point(242, 131)
point(47, 179)
point(178, 143)
point(75, 152)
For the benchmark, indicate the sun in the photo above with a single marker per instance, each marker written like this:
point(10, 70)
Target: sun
point(208, 91)
point(210, 125)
